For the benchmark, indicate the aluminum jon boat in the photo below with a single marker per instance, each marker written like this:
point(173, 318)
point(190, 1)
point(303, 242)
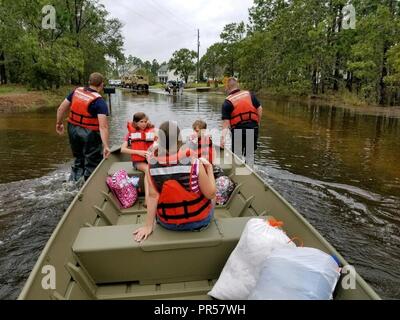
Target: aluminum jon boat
point(92, 254)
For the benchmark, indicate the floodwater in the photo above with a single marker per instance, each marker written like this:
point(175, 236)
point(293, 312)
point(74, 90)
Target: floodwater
point(338, 167)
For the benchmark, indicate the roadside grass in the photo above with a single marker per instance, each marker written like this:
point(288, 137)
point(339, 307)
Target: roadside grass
point(11, 88)
point(18, 98)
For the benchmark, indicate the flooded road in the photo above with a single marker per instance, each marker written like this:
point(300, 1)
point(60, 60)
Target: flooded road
point(338, 167)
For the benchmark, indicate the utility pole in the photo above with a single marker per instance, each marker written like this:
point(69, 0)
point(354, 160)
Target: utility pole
point(198, 55)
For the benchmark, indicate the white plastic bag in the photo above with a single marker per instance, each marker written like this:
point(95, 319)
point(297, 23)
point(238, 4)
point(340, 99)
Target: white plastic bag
point(241, 272)
point(297, 274)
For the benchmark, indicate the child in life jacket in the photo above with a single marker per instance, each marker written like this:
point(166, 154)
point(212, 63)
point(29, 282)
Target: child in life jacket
point(201, 146)
point(200, 143)
point(139, 142)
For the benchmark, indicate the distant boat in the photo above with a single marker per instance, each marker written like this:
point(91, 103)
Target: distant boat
point(94, 255)
point(203, 89)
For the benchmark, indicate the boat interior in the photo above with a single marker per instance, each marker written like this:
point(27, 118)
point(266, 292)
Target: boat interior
point(168, 264)
point(95, 249)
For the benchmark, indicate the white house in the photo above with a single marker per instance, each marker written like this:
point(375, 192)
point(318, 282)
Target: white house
point(164, 75)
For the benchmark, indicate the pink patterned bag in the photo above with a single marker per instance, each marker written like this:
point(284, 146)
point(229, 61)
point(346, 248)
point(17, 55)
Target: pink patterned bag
point(122, 187)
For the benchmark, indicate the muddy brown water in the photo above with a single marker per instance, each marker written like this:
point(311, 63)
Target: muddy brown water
point(338, 167)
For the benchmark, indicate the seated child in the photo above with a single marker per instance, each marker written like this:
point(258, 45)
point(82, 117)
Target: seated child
point(201, 146)
point(138, 142)
point(200, 143)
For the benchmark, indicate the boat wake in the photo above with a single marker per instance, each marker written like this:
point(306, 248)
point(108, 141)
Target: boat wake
point(30, 211)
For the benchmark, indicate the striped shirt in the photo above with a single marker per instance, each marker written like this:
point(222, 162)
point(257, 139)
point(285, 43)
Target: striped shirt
point(195, 177)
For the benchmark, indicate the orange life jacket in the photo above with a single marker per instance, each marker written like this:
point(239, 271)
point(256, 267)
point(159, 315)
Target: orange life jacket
point(202, 147)
point(140, 140)
point(79, 114)
point(243, 109)
point(177, 204)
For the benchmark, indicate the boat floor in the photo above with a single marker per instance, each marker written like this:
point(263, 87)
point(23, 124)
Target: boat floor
point(195, 290)
point(187, 290)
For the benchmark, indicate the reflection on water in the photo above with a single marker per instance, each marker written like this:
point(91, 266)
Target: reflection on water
point(29, 146)
point(336, 145)
point(336, 166)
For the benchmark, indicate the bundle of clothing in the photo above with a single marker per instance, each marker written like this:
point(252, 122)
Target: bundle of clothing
point(225, 186)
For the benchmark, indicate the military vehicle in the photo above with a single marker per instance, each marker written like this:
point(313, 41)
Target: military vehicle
point(136, 82)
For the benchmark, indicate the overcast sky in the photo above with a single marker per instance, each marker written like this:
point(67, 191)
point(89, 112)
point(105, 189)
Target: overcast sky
point(154, 29)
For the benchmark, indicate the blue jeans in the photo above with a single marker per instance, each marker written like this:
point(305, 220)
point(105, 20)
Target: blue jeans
point(194, 226)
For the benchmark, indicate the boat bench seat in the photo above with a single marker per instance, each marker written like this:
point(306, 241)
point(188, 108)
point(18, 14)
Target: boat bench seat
point(110, 254)
point(128, 167)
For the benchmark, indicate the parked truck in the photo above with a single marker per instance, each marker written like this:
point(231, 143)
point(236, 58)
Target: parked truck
point(136, 82)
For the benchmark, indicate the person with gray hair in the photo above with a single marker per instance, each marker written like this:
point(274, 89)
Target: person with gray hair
point(181, 188)
point(241, 114)
point(87, 127)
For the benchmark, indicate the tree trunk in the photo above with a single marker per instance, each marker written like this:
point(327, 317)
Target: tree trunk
point(314, 82)
point(3, 74)
point(382, 84)
point(338, 26)
point(349, 81)
point(337, 74)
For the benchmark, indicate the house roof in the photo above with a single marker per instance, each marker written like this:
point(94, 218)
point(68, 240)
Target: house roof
point(163, 68)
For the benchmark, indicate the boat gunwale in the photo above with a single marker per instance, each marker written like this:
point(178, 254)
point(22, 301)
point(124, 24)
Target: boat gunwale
point(36, 269)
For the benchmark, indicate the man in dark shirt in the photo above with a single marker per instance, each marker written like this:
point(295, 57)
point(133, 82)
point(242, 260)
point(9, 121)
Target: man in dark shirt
point(241, 114)
point(87, 128)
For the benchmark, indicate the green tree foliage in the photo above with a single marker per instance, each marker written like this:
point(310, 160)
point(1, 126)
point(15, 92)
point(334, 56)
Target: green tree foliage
point(264, 12)
point(146, 70)
point(132, 64)
point(301, 47)
point(155, 66)
point(85, 40)
point(211, 62)
point(231, 37)
point(377, 36)
point(393, 79)
point(182, 62)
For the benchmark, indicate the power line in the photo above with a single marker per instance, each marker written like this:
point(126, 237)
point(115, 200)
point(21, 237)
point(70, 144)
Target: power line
point(147, 19)
point(159, 10)
point(175, 34)
point(165, 28)
point(178, 19)
point(155, 22)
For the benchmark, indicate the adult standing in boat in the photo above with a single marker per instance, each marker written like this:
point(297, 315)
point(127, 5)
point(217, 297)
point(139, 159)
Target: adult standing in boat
point(241, 114)
point(87, 126)
point(181, 189)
